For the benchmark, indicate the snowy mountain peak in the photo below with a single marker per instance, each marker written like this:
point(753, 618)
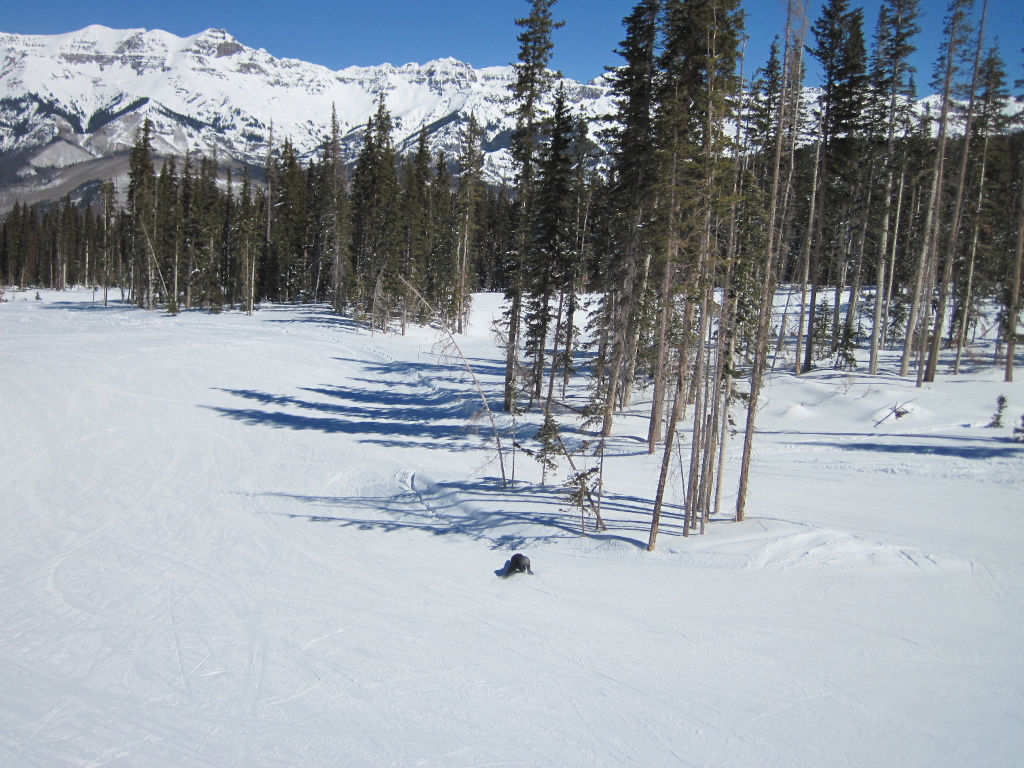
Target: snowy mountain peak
point(215, 42)
point(90, 90)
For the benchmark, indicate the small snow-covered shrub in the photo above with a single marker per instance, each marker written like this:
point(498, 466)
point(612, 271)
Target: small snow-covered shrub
point(997, 417)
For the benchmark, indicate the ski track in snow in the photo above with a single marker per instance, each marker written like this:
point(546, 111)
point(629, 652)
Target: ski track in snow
point(274, 540)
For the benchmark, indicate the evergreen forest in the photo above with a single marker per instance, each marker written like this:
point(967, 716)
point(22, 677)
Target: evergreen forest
point(718, 186)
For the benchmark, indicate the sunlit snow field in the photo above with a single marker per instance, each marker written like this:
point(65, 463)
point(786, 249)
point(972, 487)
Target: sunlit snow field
point(275, 540)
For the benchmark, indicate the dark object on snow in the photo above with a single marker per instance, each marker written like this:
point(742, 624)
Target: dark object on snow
point(518, 564)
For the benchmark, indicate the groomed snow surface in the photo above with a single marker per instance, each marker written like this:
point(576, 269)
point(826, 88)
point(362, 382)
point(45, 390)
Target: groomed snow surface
point(275, 540)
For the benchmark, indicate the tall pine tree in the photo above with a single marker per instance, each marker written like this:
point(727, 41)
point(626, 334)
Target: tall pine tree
point(533, 82)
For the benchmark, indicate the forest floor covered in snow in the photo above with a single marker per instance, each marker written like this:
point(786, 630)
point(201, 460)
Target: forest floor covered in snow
point(276, 540)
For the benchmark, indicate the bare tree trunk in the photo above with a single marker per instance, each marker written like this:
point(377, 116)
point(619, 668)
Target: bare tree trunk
point(965, 302)
point(704, 282)
point(799, 367)
point(700, 445)
point(150, 302)
point(633, 351)
point(654, 428)
point(700, 398)
point(621, 320)
point(947, 271)
point(931, 225)
point(882, 286)
point(723, 425)
point(570, 336)
point(926, 316)
point(892, 251)
point(554, 354)
point(882, 295)
point(670, 433)
point(858, 261)
point(840, 285)
point(922, 267)
point(462, 302)
point(784, 217)
point(1014, 308)
point(512, 350)
point(780, 340)
point(791, 77)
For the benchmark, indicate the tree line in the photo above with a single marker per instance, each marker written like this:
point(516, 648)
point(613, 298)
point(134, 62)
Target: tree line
point(193, 235)
point(704, 197)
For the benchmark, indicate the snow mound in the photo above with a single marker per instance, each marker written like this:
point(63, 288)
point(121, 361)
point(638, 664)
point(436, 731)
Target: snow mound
point(797, 411)
point(822, 548)
point(782, 545)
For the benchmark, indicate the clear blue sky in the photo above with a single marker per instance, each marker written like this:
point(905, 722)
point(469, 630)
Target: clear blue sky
point(340, 33)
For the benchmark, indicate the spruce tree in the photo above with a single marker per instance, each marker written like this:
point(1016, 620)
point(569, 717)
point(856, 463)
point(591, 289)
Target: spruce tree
point(228, 267)
point(416, 210)
point(764, 101)
point(443, 257)
point(208, 282)
point(550, 267)
point(334, 214)
point(376, 226)
point(633, 147)
point(166, 237)
point(108, 240)
point(267, 200)
point(470, 201)
point(289, 230)
point(142, 208)
point(533, 82)
point(839, 49)
point(248, 237)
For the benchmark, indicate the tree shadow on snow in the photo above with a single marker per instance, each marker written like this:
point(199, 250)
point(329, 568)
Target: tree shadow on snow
point(113, 305)
point(443, 370)
point(313, 314)
point(394, 403)
point(484, 511)
point(440, 419)
point(930, 444)
point(976, 452)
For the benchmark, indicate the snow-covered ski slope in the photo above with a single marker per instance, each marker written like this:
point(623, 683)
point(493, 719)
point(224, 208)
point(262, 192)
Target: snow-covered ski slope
point(273, 541)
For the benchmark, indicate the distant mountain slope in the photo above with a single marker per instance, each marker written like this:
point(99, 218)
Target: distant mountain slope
point(70, 103)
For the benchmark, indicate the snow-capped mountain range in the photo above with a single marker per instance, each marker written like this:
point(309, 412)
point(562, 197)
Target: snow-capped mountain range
point(70, 104)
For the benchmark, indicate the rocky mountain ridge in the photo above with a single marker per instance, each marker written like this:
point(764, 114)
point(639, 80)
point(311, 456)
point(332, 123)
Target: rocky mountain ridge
point(71, 104)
